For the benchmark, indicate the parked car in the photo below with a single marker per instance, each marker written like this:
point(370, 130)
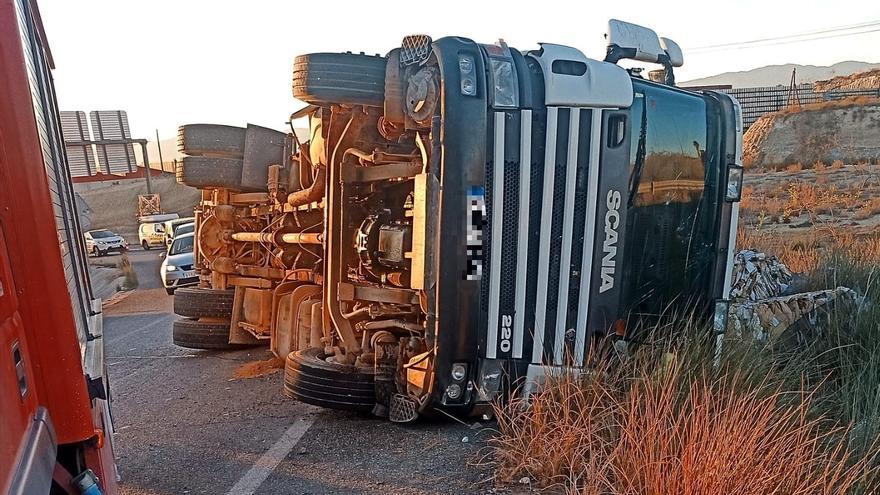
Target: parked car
point(177, 268)
point(187, 228)
point(171, 227)
point(101, 242)
point(151, 234)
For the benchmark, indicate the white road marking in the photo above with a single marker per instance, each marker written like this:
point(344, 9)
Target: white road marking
point(266, 464)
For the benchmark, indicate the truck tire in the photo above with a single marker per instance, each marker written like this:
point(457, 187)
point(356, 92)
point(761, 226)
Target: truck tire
point(202, 335)
point(203, 172)
point(196, 302)
point(310, 378)
point(329, 78)
point(211, 139)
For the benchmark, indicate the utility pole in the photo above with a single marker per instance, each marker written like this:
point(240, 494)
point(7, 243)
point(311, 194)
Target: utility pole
point(159, 146)
point(146, 165)
point(794, 99)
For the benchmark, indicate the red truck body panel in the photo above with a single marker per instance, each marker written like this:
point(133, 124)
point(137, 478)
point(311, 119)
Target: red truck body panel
point(38, 315)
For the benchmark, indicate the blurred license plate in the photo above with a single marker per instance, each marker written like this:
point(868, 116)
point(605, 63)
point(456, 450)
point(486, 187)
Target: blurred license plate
point(188, 274)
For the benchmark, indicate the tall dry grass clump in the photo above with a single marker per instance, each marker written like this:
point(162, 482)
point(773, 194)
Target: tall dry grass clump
point(666, 420)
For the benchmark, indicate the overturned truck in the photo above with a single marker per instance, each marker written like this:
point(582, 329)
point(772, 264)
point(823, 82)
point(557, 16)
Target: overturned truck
point(460, 218)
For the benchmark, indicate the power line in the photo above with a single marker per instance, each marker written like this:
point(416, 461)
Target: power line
point(785, 42)
point(836, 32)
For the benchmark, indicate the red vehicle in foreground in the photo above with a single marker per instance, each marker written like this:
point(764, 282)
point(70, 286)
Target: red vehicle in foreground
point(55, 428)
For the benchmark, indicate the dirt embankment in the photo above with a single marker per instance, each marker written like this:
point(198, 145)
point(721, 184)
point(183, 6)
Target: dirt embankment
point(860, 80)
point(114, 205)
point(846, 130)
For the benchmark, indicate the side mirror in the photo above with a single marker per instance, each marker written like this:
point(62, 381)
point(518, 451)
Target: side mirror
point(673, 52)
point(626, 40)
point(733, 191)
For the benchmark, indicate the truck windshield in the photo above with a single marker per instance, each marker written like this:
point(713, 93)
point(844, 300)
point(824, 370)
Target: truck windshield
point(181, 245)
point(670, 249)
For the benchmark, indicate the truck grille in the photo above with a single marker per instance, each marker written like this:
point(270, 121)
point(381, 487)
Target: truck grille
point(535, 239)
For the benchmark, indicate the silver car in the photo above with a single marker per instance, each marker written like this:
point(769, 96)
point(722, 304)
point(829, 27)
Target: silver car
point(177, 268)
point(101, 242)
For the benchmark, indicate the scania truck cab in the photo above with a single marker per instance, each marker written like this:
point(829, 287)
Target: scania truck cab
point(466, 216)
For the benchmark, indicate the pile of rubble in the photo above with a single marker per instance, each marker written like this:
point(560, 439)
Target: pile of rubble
point(758, 276)
point(762, 309)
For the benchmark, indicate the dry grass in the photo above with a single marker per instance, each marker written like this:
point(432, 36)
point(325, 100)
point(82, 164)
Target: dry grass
point(853, 101)
point(813, 198)
point(670, 427)
point(813, 249)
point(869, 209)
point(130, 279)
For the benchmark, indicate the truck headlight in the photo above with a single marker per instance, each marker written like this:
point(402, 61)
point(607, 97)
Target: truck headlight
point(468, 74)
point(453, 391)
point(170, 268)
point(504, 91)
point(459, 371)
point(734, 183)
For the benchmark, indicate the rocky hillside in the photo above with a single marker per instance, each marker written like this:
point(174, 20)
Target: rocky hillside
point(846, 130)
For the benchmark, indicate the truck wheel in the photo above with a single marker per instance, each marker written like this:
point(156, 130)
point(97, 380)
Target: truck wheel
point(310, 378)
point(145, 245)
point(169, 291)
point(204, 172)
point(202, 335)
point(196, 302)
point(327, 78)
point(211, 139)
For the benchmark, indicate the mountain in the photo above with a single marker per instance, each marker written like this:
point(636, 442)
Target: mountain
point(773, 75)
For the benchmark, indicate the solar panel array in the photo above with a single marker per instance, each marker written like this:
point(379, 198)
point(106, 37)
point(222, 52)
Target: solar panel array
point(80, 158)
point(113, 158)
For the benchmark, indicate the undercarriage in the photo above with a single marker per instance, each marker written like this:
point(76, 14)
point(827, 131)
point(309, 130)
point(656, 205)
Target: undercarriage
point(327, 258)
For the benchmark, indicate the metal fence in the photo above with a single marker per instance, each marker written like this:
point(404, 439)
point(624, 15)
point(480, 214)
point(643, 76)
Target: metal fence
point(759, 101)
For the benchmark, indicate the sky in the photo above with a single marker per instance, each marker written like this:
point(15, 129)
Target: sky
point(170, 62)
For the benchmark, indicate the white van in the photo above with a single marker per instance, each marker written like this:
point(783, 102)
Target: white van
point(151, 234)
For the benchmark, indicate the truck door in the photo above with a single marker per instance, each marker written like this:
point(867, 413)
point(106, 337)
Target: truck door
point(27, 449)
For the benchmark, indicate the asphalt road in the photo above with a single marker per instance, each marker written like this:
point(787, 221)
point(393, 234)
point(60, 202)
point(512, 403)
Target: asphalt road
point(185, 426)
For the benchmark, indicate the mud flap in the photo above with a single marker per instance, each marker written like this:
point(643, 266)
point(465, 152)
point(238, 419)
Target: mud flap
point(238, 335)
